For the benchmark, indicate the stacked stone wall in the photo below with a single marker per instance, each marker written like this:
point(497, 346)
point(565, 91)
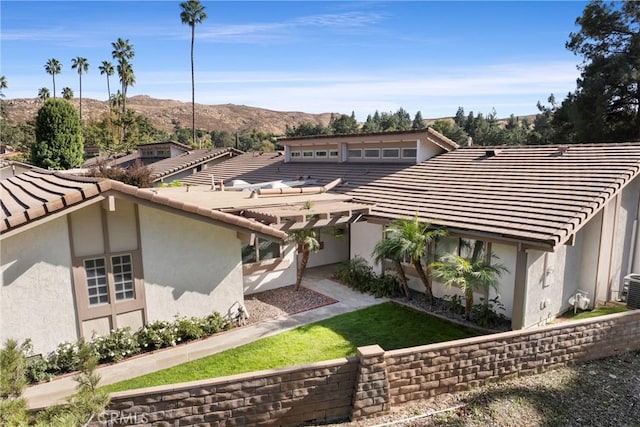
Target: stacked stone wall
point(370, 384)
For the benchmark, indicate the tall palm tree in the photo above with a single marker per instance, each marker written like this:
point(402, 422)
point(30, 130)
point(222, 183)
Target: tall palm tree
point(192, 14)
point(107, 68)
point(53, 67)
point(475, 274)
point(307, 241)
point(43, 93)
point(82, 65)
point(3, 85)
point(123, 52)
point(67, 93)
point(409, 239)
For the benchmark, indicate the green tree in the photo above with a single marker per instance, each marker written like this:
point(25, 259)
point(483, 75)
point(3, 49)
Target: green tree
point(606, 104)
point(43, 93)
point(418, 122)
point(451, 130)
point(341, 124)
point(58, 136)
point(410, 239)
point(82, 65)
point(67, 93)
point(307, 242)
point(306, 129)
point(192, 13)
point(371, 124)
point(3, 85)
point(475, 274)
point(107, 69)
point(53, 67)
point(123, 52)
point(13, 407)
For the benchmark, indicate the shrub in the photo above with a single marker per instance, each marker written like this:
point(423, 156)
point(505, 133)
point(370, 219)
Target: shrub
point(64, 358)
point(157, 335)
point(118, 345)
point(453, 303)
point(485, 314)
point(359, 275)
point(188, 328)
point(214, 323)
point(386, 285)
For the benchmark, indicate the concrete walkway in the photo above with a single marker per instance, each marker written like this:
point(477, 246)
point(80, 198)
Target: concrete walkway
point(56, 391)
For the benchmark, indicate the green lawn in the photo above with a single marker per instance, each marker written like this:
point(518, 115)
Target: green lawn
point(600, 311)
point(389, 325)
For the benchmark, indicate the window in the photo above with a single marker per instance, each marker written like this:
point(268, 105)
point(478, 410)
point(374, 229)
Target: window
point(295, 154)
point(372, 153)
point(261, 251)
point(123, 277)
point(321, 154)
point(333, 154)
point(409, 153)
point(354, 153)
point(97, 287)
point(390, 153)
point(307, 154)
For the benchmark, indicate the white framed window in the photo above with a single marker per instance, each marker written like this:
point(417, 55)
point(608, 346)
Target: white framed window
point(333, 154)
point(262, 250)
point(307, 154)
point(390, 153)
point(409, 153)
point(123, 277)
point(321, 154)
point(372, 153)
point(354, 153)
point(97, 286)
point(296, 154)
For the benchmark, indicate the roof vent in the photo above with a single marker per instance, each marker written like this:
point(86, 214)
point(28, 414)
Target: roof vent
point(562, 150)
point(492, 152)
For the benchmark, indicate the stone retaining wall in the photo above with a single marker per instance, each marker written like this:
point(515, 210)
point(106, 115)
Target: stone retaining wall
point(370, 384)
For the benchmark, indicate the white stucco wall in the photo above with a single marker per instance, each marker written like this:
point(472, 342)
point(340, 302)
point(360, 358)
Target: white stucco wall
point(426, 150)
point(265, 280)
point(364, 237)
point(191, 268)
point(335, 249)
point(506, 255)
point(623, 257)
point(36, 295)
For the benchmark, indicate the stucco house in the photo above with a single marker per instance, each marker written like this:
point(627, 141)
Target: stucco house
point(84, 255)
point(562, 219)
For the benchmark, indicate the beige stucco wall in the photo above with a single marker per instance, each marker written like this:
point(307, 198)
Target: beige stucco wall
point(36, 295)
point(191, 268)
point(625, 241)
point(364, 236)
point(267, 279)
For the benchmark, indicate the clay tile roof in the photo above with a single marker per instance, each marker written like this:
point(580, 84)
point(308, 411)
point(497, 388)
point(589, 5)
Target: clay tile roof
point(541, 194)
point(189, 159)
point(36, 194)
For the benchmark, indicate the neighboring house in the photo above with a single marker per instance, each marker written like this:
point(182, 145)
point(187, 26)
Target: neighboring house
point(85, 255)
point(9, 168)
point(168, 161)
point(563, 219)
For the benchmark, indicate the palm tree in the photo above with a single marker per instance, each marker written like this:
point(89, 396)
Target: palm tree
point(470, 275)
point(53, 67)
point(409, 239)
point(123, 52)
point(307, 240)
point(3, 85)
point(107, 68)
point(192, 14)
point(67, 93)
point(43, 93)
point(82, 65)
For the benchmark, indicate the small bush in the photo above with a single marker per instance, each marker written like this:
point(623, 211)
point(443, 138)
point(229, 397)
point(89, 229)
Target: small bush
point(37, 369)
point(453, 303)
point(64, 358)
point(118, 345)
point(157, 335)
point(188, 328)
point(485, 314)
point(359, 275)
point(214, 323)
point(387, 285)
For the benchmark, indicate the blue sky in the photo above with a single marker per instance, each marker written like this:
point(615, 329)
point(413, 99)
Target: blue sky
point(314, 57)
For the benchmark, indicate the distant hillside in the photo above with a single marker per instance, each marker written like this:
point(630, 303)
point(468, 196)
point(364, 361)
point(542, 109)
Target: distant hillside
point(166, 113)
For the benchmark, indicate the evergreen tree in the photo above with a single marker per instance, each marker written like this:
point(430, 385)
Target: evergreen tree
point(418, 122)
point(58, 136)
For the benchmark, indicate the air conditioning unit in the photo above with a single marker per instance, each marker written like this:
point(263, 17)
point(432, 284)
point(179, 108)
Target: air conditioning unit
point(633, 290)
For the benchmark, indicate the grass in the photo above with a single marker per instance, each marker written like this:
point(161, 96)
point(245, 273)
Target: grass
point(600, 311)
point(389, 325)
